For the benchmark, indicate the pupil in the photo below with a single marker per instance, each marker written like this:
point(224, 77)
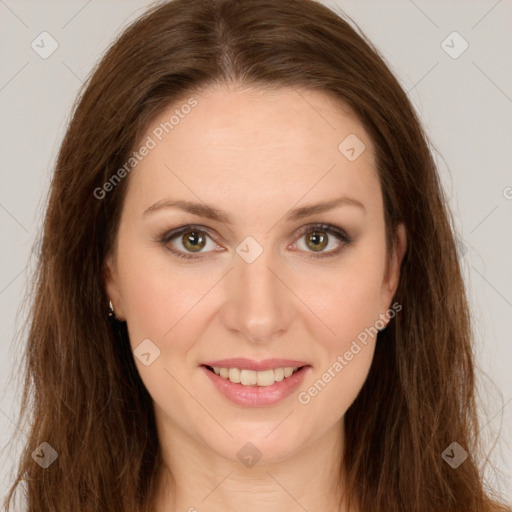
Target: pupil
point(318, 238)
point(190, 241)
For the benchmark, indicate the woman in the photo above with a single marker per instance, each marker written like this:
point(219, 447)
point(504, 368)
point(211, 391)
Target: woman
point(248, 294)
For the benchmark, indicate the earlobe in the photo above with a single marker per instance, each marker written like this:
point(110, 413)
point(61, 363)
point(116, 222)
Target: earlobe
point(392, 279)
point(110, 281)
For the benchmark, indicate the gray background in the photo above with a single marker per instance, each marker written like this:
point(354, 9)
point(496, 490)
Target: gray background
point(465, 104)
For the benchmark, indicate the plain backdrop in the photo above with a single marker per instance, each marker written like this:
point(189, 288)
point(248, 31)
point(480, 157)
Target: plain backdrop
point(463, 97)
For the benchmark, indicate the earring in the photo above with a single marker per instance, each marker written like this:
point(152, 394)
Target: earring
point(111, 313)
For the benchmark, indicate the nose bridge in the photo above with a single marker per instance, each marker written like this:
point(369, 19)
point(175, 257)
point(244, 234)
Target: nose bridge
point(259, 304)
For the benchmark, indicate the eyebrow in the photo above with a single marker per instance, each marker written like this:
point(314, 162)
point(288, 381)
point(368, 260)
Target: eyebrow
point(209, 212)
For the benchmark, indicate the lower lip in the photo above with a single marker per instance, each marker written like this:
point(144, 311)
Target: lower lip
point(257, 396)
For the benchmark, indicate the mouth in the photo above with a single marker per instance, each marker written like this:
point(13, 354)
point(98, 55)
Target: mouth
point(261, 378)
point(255, 388)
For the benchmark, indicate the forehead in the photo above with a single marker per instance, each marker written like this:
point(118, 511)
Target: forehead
point(252, 119)
point(237, 145)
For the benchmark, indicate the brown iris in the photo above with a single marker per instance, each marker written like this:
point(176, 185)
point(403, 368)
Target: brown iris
point(319, 239)
point(192, 239)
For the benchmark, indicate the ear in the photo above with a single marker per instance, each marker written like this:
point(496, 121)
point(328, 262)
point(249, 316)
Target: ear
point(392, 277)
point(112, 288)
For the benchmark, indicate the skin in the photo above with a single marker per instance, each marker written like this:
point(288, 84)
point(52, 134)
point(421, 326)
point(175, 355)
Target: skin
point(255, 154)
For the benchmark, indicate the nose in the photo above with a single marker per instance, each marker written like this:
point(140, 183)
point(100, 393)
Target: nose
point(259, 305)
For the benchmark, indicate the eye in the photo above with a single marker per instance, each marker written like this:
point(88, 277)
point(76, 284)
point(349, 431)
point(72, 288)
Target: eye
point(317, 239)
point(194, 239)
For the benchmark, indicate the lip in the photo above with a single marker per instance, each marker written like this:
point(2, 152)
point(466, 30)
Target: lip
point(249, 364)
point(256, 396)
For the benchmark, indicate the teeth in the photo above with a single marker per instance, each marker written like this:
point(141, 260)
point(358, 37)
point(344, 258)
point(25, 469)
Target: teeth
point(234, 375)
point(279, 374)
point(254, 378)
point(265, 378)
point(248, 377)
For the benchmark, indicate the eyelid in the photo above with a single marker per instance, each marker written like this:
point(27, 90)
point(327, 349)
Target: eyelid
point(173, 233)
point(339, 233)
point(308, 228)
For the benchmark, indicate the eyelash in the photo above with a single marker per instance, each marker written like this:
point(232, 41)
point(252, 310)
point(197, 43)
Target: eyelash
point(340, 234)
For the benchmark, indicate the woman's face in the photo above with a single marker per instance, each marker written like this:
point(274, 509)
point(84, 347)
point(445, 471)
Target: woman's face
point(253, 169)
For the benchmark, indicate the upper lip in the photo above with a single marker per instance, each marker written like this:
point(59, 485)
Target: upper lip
point(249, 364)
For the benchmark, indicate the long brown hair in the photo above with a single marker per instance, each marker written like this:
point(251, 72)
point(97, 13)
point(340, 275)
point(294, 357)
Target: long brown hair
point(80, 381)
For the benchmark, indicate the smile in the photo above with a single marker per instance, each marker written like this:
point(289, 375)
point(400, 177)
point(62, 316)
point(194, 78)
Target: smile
point(254, 378)
point(262, 385)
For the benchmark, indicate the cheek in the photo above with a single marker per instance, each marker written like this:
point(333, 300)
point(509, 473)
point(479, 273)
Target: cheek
point(354, 304)
point(350, 305)
point(162, 304)
point(329, 393)
point(346, 353)
point(165, 300)
point(157, 296)
point(348, 297)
